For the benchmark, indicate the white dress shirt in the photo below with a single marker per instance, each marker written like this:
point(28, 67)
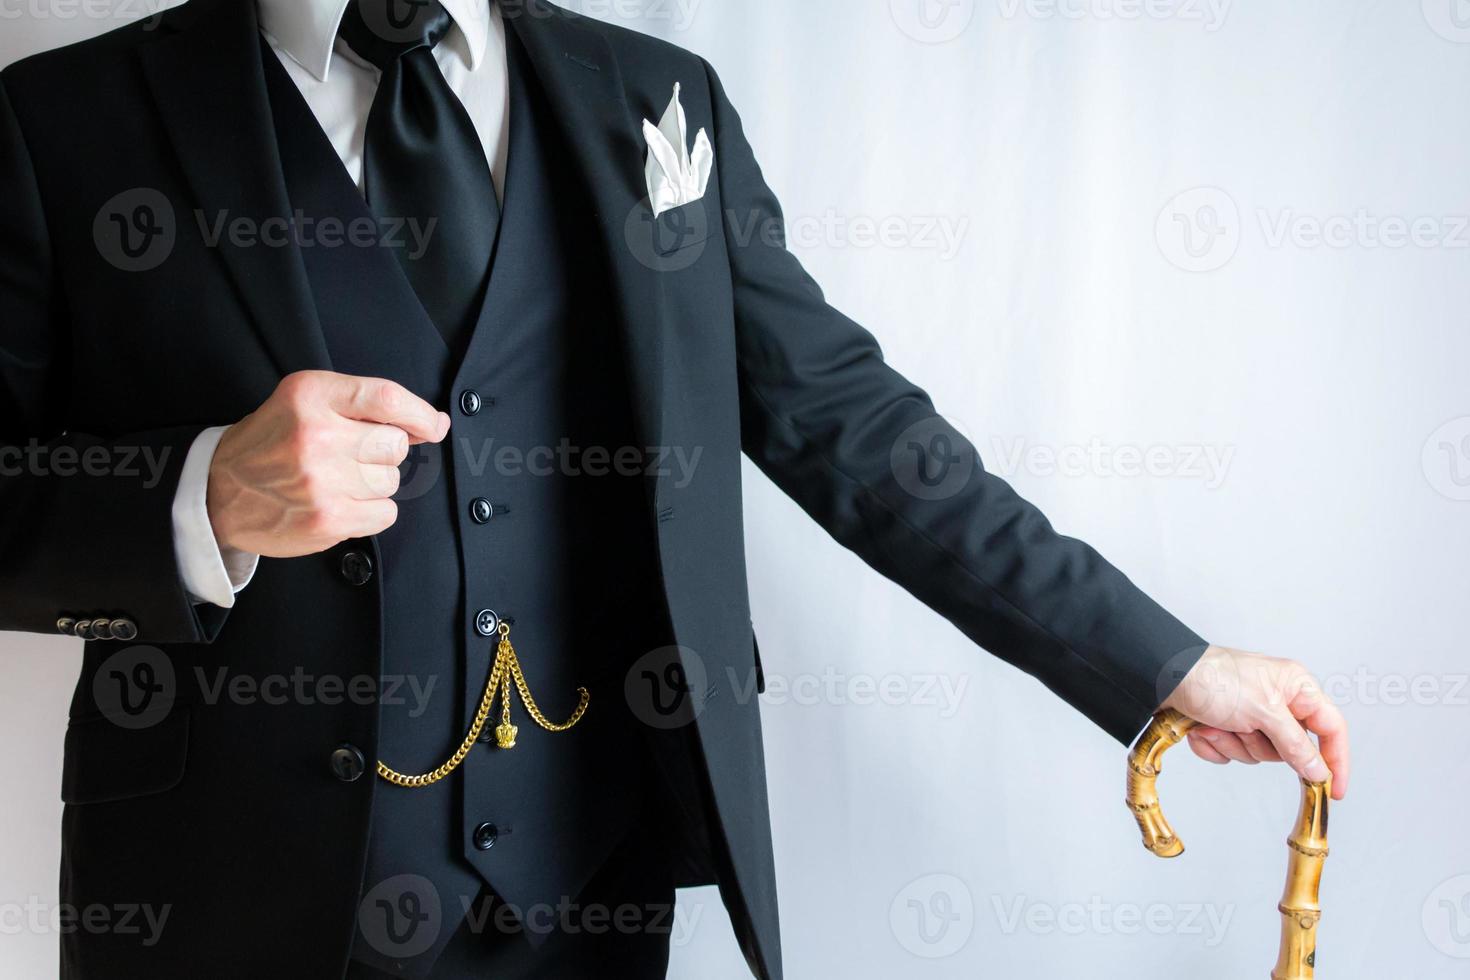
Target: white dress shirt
point(339, 87)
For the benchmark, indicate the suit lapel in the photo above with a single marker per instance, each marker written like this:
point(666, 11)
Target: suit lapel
point(584, 90)
point(209, 87)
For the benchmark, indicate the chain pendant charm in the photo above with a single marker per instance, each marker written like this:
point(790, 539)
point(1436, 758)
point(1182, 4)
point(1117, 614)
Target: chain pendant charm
point(505, 735)
point(512, 683)
point(505, 672)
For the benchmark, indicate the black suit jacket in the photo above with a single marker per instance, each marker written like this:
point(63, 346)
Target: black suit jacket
point(232, 816)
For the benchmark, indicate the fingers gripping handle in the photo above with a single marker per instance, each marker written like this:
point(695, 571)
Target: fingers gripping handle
point(1307, 845)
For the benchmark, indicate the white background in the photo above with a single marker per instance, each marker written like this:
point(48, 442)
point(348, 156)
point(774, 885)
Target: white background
point(1086, 310)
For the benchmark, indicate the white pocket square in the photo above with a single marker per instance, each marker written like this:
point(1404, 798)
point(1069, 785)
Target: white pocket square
point(675, 176)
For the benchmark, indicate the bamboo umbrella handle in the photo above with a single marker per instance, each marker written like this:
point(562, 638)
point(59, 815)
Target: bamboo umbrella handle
point(1307, 845)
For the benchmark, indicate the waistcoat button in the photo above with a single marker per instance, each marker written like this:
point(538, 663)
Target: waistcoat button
point(486, 622)
point(481, 510)
point(485, 836)
point(469, 401)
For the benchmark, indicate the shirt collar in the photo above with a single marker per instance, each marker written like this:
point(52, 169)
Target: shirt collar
point(307, 29)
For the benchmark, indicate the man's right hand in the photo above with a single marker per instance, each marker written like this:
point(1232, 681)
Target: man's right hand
point(316, 464)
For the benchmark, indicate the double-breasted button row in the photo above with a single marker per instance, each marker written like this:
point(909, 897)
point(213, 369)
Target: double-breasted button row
point(98, 628)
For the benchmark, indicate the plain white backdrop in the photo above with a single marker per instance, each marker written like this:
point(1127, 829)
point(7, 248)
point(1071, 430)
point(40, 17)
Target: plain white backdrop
point(1192, 274)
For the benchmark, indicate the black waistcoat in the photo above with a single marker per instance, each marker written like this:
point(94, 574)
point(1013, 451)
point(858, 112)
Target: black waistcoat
point(565, 555)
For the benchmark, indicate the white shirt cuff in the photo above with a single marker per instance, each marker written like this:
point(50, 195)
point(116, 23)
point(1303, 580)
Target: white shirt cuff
point(211, 573)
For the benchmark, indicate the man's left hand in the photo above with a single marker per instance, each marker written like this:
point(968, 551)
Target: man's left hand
point(1252, 708)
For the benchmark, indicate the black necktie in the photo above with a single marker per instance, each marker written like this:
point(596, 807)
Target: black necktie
point(424, 162)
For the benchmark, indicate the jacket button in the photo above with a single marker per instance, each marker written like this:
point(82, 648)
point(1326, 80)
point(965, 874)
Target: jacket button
point(102, 629)
point(124, 629)
point(357, 568)
point(348, 763)
point(481, 510)
point(66, 625)
point(485, 836)
point(486, 622)
point(83, 629)
point(469, 401)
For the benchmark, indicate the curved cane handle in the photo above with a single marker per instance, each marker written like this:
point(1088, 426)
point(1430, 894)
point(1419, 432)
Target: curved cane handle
point(1299, 907)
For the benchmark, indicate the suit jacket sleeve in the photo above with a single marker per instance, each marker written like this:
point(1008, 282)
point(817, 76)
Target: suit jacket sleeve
point(841, 432)
point(85, 519)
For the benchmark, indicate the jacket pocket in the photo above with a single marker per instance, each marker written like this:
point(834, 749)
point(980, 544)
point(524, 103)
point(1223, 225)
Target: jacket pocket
point(107, 761)
point(673, 241)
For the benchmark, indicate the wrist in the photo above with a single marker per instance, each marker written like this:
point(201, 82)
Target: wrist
point(219, 492)
point(1195, 688)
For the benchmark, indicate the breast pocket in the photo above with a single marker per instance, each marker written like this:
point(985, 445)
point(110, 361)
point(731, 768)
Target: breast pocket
point(676, 239)
point(107, 761)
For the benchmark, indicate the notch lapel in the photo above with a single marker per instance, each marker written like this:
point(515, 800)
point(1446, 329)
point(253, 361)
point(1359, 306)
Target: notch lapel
point(209, 88)
point(585, 92)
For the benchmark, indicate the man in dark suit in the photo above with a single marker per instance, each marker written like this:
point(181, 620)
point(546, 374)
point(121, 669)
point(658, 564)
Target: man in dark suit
point(407, 300)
